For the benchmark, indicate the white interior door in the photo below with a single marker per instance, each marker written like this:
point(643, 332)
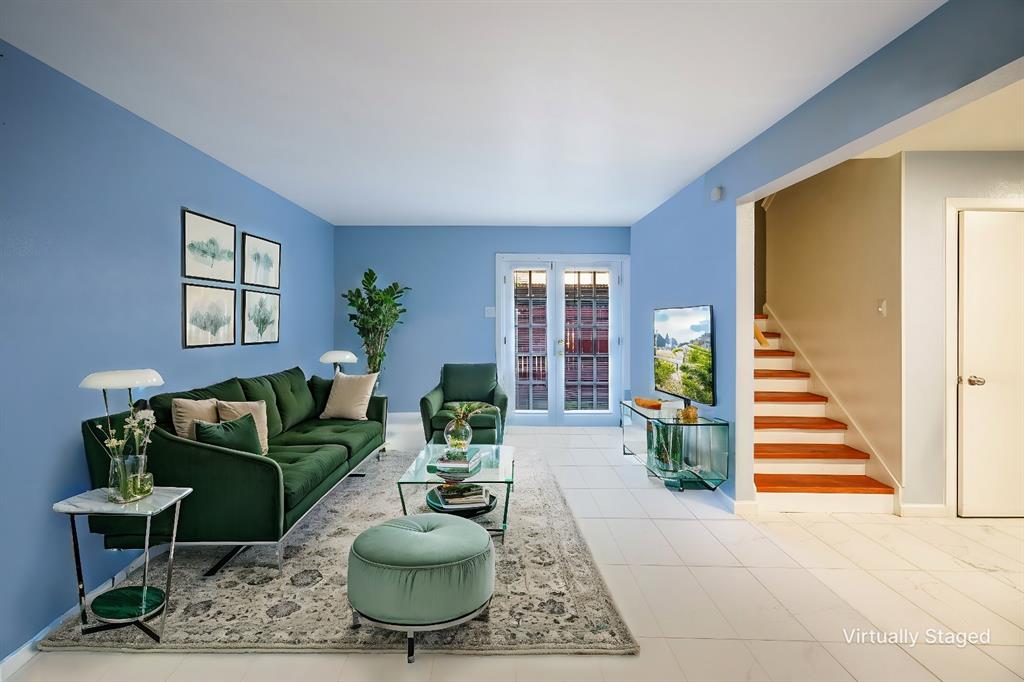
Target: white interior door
point(560, 338)
point(991, 390)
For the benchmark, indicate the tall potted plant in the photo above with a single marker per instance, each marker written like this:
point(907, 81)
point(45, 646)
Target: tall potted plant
point(377, 311)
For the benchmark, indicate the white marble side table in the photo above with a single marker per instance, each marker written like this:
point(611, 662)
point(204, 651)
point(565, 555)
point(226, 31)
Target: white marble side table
point(124, 606)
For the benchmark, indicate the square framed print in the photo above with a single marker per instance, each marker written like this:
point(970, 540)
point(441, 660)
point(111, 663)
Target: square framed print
point(207, 247)
point(261, 317)
point(207, 316)
point(262, 264)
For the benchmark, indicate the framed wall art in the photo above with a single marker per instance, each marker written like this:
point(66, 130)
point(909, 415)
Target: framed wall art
point(261, 312)
point(207, 316)
point(207, 247)
point(262, 262)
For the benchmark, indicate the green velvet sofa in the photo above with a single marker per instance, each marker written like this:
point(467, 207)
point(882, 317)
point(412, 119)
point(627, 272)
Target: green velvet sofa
point(466, 383)
point(239, 498)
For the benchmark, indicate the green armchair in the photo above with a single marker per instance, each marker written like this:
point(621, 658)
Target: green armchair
point(466, 383)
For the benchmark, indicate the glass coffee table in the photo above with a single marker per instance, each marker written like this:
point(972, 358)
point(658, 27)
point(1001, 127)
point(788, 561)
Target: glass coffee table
point(497, 468)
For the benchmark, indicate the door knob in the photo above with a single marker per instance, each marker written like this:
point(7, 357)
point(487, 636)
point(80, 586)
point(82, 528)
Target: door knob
point(975, 381)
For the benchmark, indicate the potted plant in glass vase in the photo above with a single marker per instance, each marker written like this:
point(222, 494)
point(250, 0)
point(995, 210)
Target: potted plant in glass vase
point(458, 434)
point(128, 479)
point(377, 311)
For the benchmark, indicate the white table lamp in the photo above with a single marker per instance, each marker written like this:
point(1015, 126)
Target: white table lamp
point(337, 358)
point(121, 379)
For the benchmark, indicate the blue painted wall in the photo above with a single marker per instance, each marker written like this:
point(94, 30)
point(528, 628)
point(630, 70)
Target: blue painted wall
point(451, 272)
point(697, 236)
point(90, 279)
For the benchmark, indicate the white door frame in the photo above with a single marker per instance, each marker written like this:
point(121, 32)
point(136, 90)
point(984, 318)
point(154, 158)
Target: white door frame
point(954, 206)
point(618, 321)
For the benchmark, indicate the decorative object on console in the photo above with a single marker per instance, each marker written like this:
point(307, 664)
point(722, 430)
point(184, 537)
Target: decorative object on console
point(377, 311)
point(262, 264)
point(207, 316)
point(262, 323)
point(687, 415)
point(338, 358)
point(207, 247)
point(127, 477)
point(349, 397)
point(649, 403)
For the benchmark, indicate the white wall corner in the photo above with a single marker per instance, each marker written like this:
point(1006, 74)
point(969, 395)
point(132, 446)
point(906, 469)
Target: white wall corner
point(931, 510)
point(743, 427)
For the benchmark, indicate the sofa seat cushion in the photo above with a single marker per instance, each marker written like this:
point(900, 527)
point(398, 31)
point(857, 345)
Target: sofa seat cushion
point(487, 419)
point(351, 433)
point(304, 467)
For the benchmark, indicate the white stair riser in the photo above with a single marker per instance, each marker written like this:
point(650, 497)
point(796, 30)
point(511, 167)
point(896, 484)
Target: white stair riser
point(789, 409)
point(798, 436)
point(763, 324)
point(825, 502)
point(845, 467)
point(773, 363)
point(781, 384)
point(772, 343)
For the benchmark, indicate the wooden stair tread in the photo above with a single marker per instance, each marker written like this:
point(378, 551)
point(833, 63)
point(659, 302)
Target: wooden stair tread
point(772, 353)
point(807, 451)
point(788, 397)
point(819, 483)
point(760, 316)
point(780, 374)
point(799, 423)
point(771, 335)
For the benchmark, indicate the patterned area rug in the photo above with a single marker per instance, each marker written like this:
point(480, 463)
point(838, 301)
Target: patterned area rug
point(549, 595)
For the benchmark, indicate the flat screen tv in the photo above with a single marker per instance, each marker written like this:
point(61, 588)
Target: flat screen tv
point(684, 361)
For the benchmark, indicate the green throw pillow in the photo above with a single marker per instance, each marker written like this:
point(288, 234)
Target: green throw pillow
point(238, 434)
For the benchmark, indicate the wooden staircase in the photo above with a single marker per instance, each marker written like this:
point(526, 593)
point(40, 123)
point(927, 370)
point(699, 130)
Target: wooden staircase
point(801, 459)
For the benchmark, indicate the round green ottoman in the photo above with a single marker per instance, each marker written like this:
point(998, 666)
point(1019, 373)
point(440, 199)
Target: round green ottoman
point(420, 572)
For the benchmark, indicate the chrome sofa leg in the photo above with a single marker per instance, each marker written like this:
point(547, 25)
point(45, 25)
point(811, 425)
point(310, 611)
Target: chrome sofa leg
point(410, 647)
point(280, 557)
point(355, 619)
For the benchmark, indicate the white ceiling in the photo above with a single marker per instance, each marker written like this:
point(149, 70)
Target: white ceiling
point(990, 124)
point(461, 113)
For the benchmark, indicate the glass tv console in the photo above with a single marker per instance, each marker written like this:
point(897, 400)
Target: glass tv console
point(685, 455)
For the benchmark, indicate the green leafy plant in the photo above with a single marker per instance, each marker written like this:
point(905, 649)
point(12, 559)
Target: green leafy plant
point(209, 251)
point(262, 316)
point(377, 311)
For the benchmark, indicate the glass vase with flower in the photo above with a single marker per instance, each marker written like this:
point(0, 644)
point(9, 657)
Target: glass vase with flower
point(129, 479)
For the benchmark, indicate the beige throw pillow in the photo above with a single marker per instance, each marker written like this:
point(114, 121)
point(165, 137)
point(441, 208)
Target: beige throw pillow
point(350, 396)
point(228, 411)
point(185, 412)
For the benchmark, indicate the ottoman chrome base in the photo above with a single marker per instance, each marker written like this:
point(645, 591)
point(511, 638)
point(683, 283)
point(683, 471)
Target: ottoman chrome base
point(411, 630)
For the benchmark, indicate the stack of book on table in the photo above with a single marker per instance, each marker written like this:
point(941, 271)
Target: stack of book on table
point(465, 496)
point(457, 465)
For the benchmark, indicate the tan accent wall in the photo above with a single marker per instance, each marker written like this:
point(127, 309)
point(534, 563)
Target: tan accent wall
point(833, 250)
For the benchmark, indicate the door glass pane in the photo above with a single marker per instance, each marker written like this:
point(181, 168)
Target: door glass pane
point(531, 342)
point(586, 339)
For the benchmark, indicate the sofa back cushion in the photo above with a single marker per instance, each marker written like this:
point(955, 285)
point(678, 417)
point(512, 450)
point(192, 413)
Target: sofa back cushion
point(469, 381)
point(229, 390)
point(260, 388)
point(321, 390)
point(294, 399)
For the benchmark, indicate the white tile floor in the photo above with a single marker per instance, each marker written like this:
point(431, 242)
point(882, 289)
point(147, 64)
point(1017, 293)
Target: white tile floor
point(709, 595)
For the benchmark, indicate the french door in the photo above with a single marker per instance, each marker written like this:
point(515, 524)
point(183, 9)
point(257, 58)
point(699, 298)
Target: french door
point(560, 337)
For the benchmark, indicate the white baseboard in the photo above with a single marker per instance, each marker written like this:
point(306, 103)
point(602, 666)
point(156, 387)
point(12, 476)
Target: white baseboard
point(20, 657)
point(737, 506)
point(932, 510)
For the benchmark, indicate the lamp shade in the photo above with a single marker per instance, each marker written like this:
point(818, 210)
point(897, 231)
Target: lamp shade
point(122, 378)
point(338, 357)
